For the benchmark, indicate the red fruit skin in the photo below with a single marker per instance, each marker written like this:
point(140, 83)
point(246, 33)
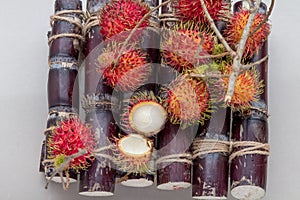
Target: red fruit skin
point(191, 10)
point(234, 30)
point(122, 15)
point(68, 137)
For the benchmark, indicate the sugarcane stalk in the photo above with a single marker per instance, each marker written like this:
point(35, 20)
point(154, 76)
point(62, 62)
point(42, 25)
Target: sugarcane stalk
point(65, 41)
point(250, 138)
point(99, 179)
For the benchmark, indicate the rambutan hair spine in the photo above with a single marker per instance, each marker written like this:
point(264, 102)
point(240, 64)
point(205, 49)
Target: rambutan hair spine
point(248, 88)
point(187, 100)
point(68, 137)
point(127, 72)
point(184, 45)
point(113, 22)
point(191, 10)
point(235, 26)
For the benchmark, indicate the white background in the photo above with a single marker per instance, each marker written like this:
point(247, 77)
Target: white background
point(23, 105)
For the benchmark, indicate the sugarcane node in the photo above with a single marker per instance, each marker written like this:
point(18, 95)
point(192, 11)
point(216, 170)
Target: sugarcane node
point(92, 102)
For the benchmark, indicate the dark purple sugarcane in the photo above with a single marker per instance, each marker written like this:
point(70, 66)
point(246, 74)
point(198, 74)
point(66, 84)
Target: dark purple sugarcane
point(249, 172)
point(166, 74)
point(92, 49)
point(64, 47)
point(99, 179)
point(210, 171)
point(174, 140)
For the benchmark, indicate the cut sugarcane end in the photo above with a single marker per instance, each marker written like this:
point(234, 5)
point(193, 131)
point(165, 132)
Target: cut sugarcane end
point(147, 117)
point(96, 194)
point(248, 192)
point(139, 183)
point(57, 179)
point(174, 186)
point(135, 145)
point(209, 198)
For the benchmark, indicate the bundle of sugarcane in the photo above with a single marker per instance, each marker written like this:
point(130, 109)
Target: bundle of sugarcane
point(65, 41)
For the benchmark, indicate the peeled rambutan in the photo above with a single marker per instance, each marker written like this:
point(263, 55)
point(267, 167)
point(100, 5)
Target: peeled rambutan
point(235, 27)
point(187, 100)
point(247, 89)
point(181, 48)
point(133, 153)
point(126, 74)
point(122, 15)
point(192, 10)
point(67, 138)
point(144, 114)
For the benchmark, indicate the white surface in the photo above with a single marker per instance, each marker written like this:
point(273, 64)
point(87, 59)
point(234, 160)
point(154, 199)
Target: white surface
point(137, 183)
point(23, 104)
point(248, 192)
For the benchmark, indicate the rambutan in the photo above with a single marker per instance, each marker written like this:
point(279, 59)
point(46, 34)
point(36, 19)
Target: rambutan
point(247, 89)
point(188, 10)
point(235, 27)
point(118, 16)
point(67, 138)
point(143, 114)
point(181, 48)
point(187, 100)
point(126, 74)
point(133, 154)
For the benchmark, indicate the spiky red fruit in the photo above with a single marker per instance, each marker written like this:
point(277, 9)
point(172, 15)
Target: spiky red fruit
point(126, 74)
point(144, 114)
point(247, 89)
point(122, 15)
point(67, 138)
point(234, 30)
point(182, 50)
point(192, 10)
point(187, 100)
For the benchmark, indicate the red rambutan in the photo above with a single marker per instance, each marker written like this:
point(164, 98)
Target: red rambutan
point(181, 48)
point(247, 89)
point(67, 138)
point(187, 100)
point(234, 30)
point(192, 10)
point(122, 15)
point(129, 72)
point(143, 114)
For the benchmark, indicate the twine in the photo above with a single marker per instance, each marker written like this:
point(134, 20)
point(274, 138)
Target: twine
point(91, 22)
point(62, 114)
point(204, 147)
point(71, 19)
point(60, 16)
point(251, 148)
point(71, 35)
point(179, 158)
